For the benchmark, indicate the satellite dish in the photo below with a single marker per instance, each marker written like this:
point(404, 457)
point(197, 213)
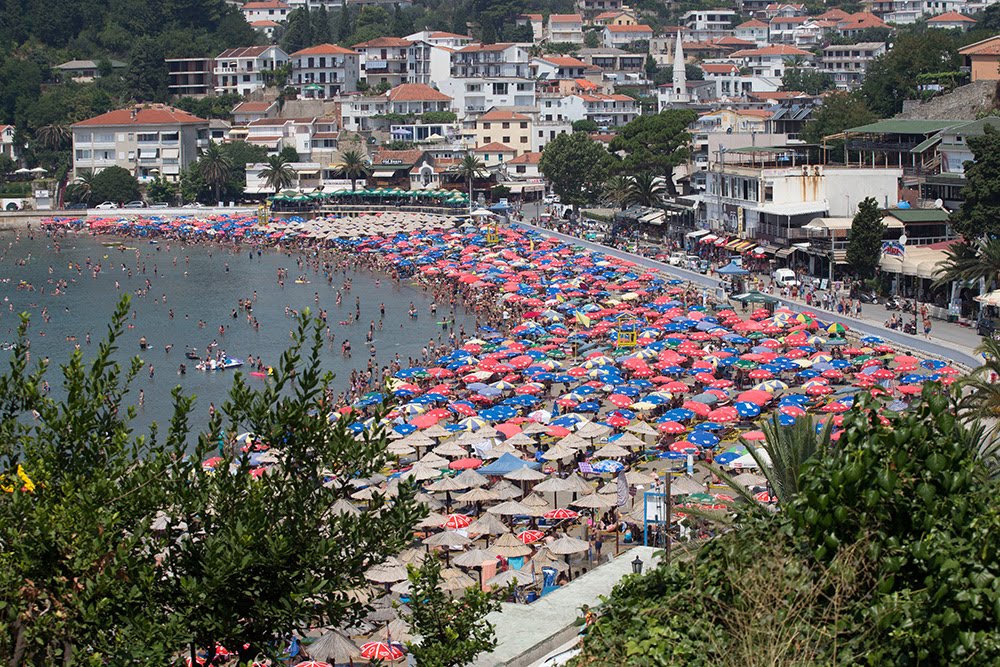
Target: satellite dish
point(938, 203)
point(902, 239)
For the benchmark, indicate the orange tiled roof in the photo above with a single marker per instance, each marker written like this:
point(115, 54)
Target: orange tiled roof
point(149, 114)
point(416, 92)
point(325, 50)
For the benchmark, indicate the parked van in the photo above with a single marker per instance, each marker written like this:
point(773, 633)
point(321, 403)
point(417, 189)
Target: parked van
point(785, 278)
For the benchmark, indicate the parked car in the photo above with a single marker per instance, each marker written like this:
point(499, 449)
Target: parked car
point(693, 261)
point(159, 204)
point(194, 204)
point(677, 258)
point(78, 206)
point(551, 199)
point(138, 203)
point(703, 266)
point(106, 206)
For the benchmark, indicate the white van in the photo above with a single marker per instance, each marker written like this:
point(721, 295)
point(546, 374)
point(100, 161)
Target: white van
point(785, 278)
point(678, 258)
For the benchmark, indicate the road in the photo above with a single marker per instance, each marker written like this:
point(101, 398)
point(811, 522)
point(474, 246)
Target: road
point(950, 342)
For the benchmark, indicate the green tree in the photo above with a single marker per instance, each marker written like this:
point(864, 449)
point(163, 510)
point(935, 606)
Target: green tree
point(884, 554)
point(469, 169)
point(576, 166)
point(278, 174)
point(839, 112)
point(78, 552)
point(864, 244)
point(289, 154)
point(146, 76)
point(971, 260)
point(266, 556)
point(591, 39)
point(978, 215)
point(452, 631)
point(81, 189)
point(990, 19)
point(806, 80)
point(892, 78)
point(656, 144)
point(215, 167)
point(162, 190)
point(353, 165)
point(298, 33)
point(645, 189)
point(53, 137)
point(372, 22)
point(585, 125)
point(114, 184)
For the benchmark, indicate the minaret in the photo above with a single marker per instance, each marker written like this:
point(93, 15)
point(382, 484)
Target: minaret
point(680, 74)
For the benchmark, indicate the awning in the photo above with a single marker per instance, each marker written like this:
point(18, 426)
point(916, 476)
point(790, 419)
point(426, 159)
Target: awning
point(916, 261)
point(767, 250)
point(653, 218)
point(721, 241)
point(525, 187)
point(734, 244)
point(384, 173)
point(696, 234)
point(311, 172)
point(785, 252)
point(147, 153)
point(708, 239)
point(171, 153)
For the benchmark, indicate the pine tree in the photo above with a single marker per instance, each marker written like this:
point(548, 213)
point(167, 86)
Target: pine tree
point(864, 245)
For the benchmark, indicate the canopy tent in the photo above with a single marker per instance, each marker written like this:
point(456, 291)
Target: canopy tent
point(506, 464)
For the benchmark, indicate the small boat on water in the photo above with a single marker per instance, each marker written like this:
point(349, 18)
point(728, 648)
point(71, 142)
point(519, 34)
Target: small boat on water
point(225, 364)
point(192, 353)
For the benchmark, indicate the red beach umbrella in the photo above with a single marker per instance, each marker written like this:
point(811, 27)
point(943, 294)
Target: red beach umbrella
point(530, 536)
point(457, 521)
point(380, 651)
point(561, 513)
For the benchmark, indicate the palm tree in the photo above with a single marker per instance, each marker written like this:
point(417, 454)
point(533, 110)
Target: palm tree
point(971, 261)
point(215, 167)
point(646, 190)
point(470, 168)
point(353, 165)
point(617, 189)
point(81, 187)
point(278, 174)
point(53, 137)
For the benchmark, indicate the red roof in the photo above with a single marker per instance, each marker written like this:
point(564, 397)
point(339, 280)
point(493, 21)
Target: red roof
point(266, 4)
point(384, 42)
point(835, 14)
point(325, 50)
point(860, 21)
point(564, 61)
point(494, 147)
point(448, 35)
point(629, 28)
point(150, 114)
point(264, 24)
point(416, 92)
point(252, 107)
point(752, 23)
point(565, 18)
point(719, 68)
point(472, 48)
point(503, 114)
point(244, 52)
point(734, 41)
point(951, 17)
point(789, 19)
point(526, 158)
point(986, 47)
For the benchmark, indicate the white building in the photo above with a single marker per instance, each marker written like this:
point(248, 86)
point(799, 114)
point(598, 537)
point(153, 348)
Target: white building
point(325, 71)
point(770, 61)
point(307, 177)
point(384, 60)
point(439, 38)
point(243, 70)
point(847, 63)
point(427, 62)
point(265, 10)
point(8, 146)
point(475, 95)
point(605, 110)
point(277, 133)
point(148, 140)
point(709, 24)
point(951, 21)
point(730, 83)
point(565, 28)
point(619, 36)
point(491, 61)
point(753, 31)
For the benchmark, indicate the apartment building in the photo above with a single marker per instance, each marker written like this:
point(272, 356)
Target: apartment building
point(706, 25)
point(427, 62)
point(770, 61)
point(559, 67)
point(491, 61)
point(243, 70)
point(589, 9)
point(275, 134)
point(190, 77)
point(324, 71)
point(475, 95)
point(847, 63)
point(148, 140)
point(620, 36)
point(605, 110)
point(565, 28)
point(448, 40)
point(753, 31)
point(265, 10)
point(384, 60)
point(503, 126)
point(951, 21)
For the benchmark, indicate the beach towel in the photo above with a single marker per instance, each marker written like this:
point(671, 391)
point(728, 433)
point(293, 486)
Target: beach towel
point(489, 571)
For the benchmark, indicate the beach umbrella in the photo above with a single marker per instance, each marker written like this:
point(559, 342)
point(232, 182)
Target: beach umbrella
point(509, 546)
point(381, 651)
point(511, 577)
point(567, 545)
point(476, 557)
point(611, 451)
point(593, 501)
point(314, 663)
point(454, 580)
point(387, 572)
point(334, 647)
point(447, 539)
point(448, 484)
point(456, 521)
point(525, 474)
point(560, 514)
point(477, 495)
point(487, 524)
point(530, 536)
point(511, 508)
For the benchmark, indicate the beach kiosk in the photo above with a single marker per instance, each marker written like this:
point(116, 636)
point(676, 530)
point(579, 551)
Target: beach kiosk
point(264, 213)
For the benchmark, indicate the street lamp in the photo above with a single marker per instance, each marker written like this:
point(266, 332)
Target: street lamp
point(637, 565)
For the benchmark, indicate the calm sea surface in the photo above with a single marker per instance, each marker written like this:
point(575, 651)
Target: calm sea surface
point(204, 285)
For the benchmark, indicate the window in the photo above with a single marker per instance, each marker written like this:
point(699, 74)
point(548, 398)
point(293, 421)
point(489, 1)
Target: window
point(486, 126)
point(106, 137)
point(524, 140)
point(148, 137)
point(524, 125)
point(505, 140)
point(487, 140)
point(82, 154)
point(506, 126)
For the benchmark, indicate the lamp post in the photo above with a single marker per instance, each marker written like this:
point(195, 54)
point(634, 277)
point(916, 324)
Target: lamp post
point(637, 565)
